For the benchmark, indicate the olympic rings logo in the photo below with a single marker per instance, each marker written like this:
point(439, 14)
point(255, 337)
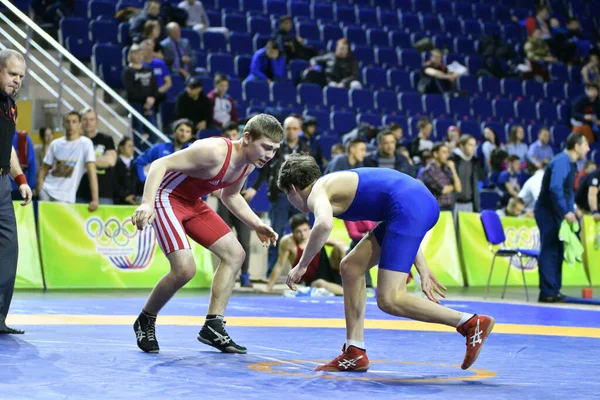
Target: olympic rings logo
point(111, 232)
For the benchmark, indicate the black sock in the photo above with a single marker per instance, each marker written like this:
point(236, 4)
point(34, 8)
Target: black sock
point(147, 314)
point(210, 317)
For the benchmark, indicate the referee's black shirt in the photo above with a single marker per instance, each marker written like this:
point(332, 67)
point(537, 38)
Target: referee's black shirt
point(8, 113)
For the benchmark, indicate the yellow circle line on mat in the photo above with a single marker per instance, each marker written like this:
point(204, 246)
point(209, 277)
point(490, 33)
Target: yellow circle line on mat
point(402, 325)
point(267, 367)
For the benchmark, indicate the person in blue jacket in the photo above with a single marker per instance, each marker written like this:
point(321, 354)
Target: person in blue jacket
point(22, 142)
point(556, 203)
point(267, 64)
point(182, 134)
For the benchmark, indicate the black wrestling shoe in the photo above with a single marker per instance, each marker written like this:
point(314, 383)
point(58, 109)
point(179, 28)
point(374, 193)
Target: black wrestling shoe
point(213, 333)
point(5, 330)
point(144, 328)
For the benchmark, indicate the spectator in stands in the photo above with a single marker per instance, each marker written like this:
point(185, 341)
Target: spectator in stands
point(197, 18)
point(151, 12)
point(587, 196)
point(540, 150)
point(508, 181)
point(515, 145)
point(141, 90)
point(590, 73)
point(387, 157)
point(339, 69)
point(194, 105)
point(26, 154)
point(223, 105)
point(398, 133)
point(421, 142)
point(292, 45)
point(427, 159)
point(66, 162)
point(441, 178)
point(514, 208)
point(469, 173)
point(127, 187)
point(352, 158)
point(541, 21)
point(182, 134)
point(267, 64)
point(310, 135)
point(531, 188)
point(538, 53)
point(555, 204)
point(280, 209)
point(323, 271)
point(336, 150)
point(435, 78)
point(46, 137)
point(152, 31)
point(585, 114)
point(106, 159)
point(161, 72)
point(490, 143)
point(452, 136)
point(588, 168)
point(179, 55)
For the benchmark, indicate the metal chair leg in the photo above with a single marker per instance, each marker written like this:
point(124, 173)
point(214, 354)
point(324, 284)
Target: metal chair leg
point(524, 282)
point(490, 277)
point(506, 279)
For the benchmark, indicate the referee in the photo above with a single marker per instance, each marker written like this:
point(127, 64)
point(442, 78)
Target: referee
point(12, 72)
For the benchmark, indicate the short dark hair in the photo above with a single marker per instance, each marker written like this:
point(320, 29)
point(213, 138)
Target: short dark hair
point(219, 77)
point(230, 126)
point(514, 157)
point(300, 170)
point(124, 141)
point(353, 142)
point(437, 146)
point(183, 121)
point(264, 125)
point(72, 112)
point(573, 139)
point(394, 127)
point(284, 18)
point(272, 44)
point(383, 134)
point(298, 220)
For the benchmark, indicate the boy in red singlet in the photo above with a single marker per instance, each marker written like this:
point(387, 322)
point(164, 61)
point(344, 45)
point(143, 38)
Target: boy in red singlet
point(323, 271)
point(172, 204)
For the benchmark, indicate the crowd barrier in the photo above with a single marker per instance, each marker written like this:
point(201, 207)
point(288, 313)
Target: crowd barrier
point(80, 249)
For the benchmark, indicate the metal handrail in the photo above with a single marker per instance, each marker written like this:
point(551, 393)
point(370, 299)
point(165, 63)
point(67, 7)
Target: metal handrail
point(83, 68)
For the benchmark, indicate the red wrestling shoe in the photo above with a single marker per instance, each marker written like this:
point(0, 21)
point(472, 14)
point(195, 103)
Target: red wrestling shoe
point(476, 330)
point(352, 359)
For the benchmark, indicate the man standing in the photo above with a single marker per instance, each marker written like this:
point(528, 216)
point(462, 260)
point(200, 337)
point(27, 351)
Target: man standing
point(12, 72)
point(555, 203)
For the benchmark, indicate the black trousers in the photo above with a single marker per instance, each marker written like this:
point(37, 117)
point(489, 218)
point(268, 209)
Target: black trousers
point(9, 247)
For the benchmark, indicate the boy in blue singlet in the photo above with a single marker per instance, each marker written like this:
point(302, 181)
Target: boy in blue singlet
point(407, 210)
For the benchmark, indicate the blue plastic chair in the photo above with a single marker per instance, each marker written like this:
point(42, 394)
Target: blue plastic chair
point(494, 232)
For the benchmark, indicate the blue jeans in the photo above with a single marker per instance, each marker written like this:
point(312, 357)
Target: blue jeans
point(280, 213)
point(551, 252)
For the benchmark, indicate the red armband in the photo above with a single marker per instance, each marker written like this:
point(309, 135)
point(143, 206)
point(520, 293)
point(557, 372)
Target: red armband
point(20, 180)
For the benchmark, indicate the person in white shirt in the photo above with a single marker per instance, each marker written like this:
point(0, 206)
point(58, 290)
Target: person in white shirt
point(531, 188)
point(197, 18)
point(65, 163)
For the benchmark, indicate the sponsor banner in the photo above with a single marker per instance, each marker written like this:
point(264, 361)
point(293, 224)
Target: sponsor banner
point(29, 268)
point(103, 249)
point(591, 243)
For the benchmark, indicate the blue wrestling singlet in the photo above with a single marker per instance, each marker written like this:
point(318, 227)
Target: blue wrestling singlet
point(406, 208)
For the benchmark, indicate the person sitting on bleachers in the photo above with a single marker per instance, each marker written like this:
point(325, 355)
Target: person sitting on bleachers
point(531, 188)
point(151, 12)
point(540, 150)
point(336, 150)
point(292, 45)
point(323, 270)
point(353, 158)
point(339, 69)
point(514, 208)
point(588, 168)
point(421, 142)
point(197, 18)
point(223, 105)
point(127, 187)
point(182, 134)
point(386, 156)
point(441, 178)
point(538, 53)
point(310, 136)
point(469, 173)
point(585, 114)
point(268, 64)
point(435, 78)
point(590, 73)
point(194, 105)
point(179, 55)
point(508, 181)
point(515, 145)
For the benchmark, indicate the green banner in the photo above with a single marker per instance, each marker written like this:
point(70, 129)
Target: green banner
point(591, 243)
point(103, 249)
point(520, 233)
point(29, 269)
point(439, 245)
